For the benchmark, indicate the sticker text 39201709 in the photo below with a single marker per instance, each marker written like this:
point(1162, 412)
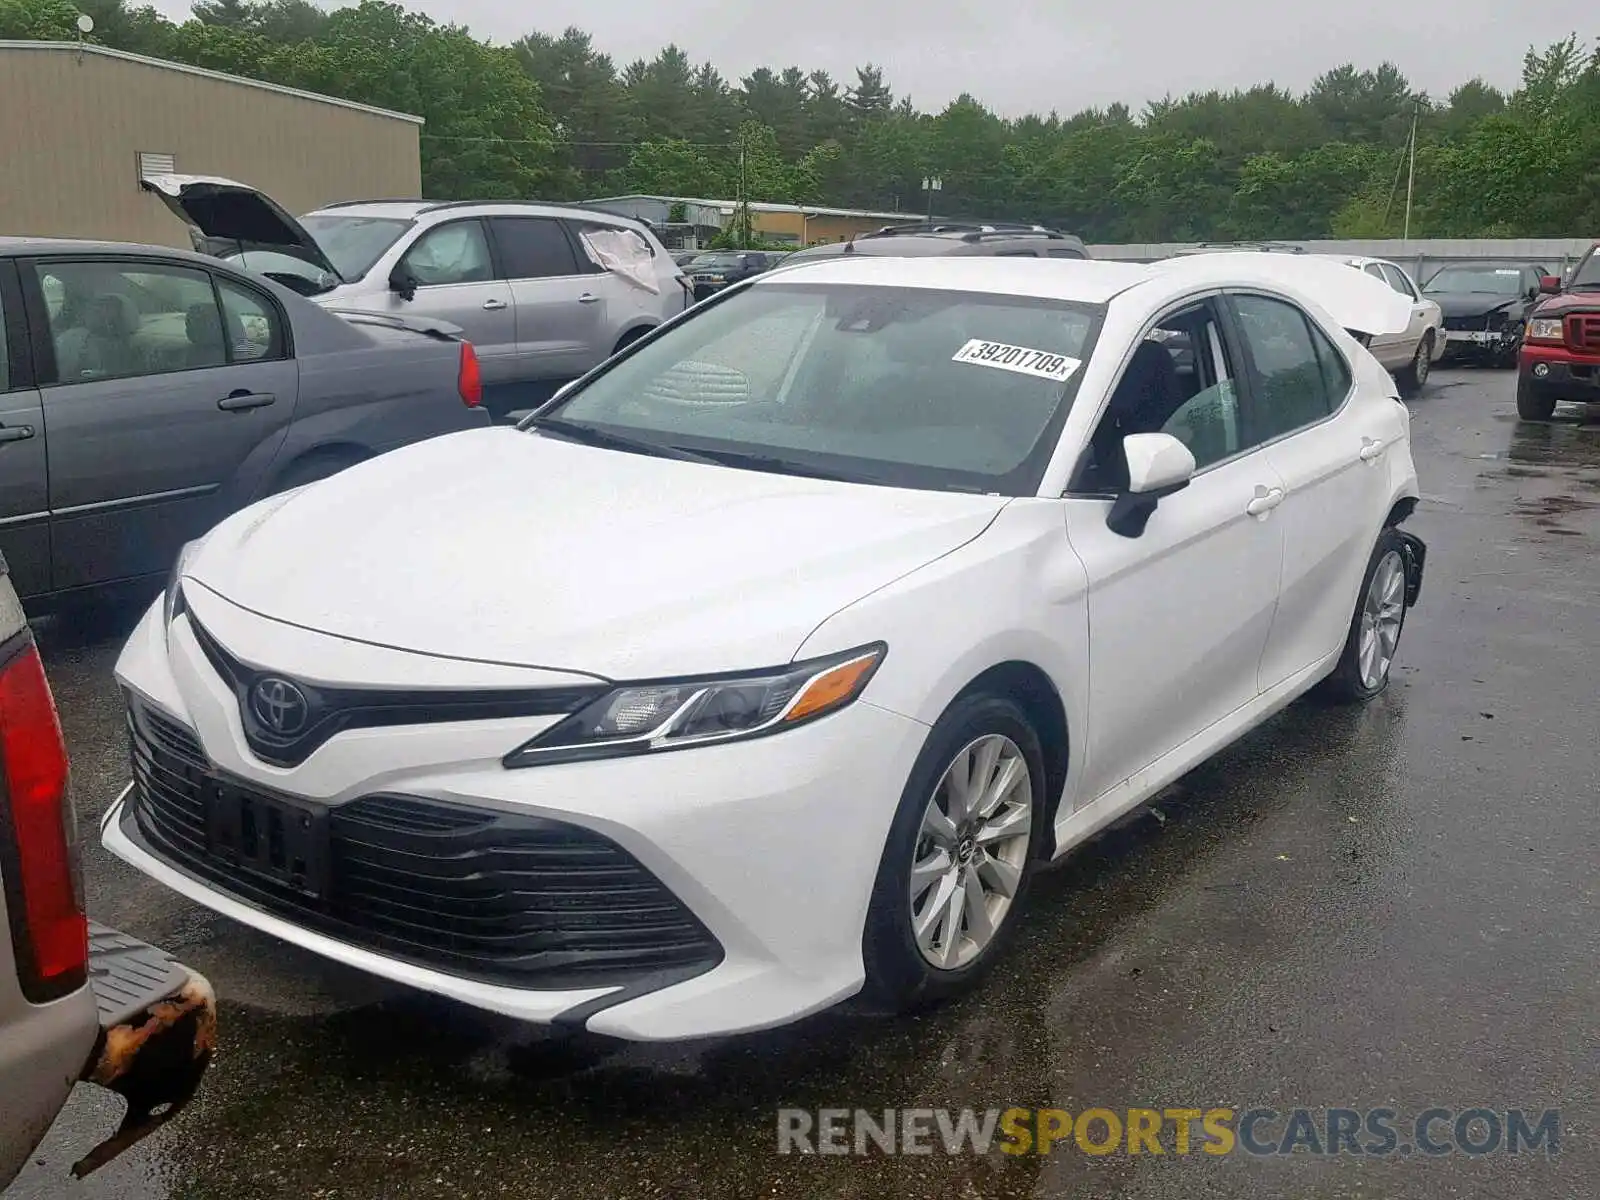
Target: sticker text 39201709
point(1021, 359)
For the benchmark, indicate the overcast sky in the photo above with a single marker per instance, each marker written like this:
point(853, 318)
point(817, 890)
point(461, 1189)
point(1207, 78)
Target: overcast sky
point(1034, 55)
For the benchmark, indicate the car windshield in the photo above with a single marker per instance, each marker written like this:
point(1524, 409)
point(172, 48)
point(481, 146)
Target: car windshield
point(353, 243)
point(1587, 276)
point(905, 387)
point(716, 262)
point(1498, 281)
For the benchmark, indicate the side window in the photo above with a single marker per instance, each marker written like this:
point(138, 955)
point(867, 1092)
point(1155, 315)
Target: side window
point(252, 323)
point(1335, 371)
point(457, 252)
point(1015, 254)
point(1063, 252)
point(112, 320)
point(1376, 272)
point(1178, 381)
point(1396, 278)
point(1288, 381)
point(533, 247)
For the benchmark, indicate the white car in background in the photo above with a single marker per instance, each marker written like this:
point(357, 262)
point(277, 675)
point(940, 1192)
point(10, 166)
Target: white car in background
point(1410, 354)
point(779, 650)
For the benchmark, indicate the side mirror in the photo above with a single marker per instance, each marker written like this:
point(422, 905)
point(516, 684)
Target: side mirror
point(1549, 285)
point(403, 283)
point(1158, 465)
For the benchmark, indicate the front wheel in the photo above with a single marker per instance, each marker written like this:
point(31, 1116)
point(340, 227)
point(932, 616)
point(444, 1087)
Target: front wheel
point(1533, 405)
point(1374, 635)
point(955, 868)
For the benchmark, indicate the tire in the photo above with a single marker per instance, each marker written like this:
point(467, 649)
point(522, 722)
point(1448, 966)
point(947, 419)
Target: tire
point(901, 975)
point(1533, 405)
point(1414, 378)
point(317, 465)
point(1352, 681)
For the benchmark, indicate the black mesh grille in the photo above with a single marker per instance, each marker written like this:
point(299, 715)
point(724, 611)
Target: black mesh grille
point(487, 895)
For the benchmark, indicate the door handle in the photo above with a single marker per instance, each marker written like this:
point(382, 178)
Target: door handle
point(588, 298)
point(1371, 449)
point(1266, 499)
point(241, 401)
point(494, 305)
point(15, 433)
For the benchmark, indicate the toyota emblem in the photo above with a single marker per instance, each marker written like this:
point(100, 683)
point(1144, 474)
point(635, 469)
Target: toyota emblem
point(280, 706)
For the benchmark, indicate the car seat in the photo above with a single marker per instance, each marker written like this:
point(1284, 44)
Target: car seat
point(203, 327)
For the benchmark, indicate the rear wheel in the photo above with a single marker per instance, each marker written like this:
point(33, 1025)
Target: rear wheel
point(318, 464)
point(1415, 377)
point(1533, 405)
point(954, 872)
point(1374, 636)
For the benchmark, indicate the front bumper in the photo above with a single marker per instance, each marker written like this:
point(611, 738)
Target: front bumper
point(773, 844)
point(158, 1031)
point(1470, 343)
point(1560, 372)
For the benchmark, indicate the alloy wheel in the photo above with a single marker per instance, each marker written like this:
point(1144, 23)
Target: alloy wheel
point(1382, 613)
point(971, 851)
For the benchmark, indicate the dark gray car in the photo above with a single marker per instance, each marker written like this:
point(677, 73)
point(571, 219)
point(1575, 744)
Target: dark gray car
point(147, 393)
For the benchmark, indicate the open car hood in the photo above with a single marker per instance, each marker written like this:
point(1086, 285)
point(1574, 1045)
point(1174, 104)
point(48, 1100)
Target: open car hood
point(1354, 299)
point(225, 216)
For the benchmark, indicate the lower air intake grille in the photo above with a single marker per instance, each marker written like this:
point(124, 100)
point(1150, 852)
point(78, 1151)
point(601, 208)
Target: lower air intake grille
point(501, 898)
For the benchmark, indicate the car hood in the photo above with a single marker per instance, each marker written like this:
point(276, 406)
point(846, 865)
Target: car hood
point(225, 216)
point(1565, 302)
point(1471, 304)
point(509, 547)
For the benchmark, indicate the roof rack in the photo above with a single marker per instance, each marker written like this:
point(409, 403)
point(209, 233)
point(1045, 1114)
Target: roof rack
point(384, 200)
point(968, 227)
point(1274, 247)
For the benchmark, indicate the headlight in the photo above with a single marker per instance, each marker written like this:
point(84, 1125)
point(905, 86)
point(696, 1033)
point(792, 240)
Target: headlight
point(171, 604)
point(645, 718)
point(1544, 329)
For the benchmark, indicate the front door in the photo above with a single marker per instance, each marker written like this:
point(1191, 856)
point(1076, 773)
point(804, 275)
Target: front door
point(164, 402)
point(1178, 616)
point(453, 271)
point(24, 497)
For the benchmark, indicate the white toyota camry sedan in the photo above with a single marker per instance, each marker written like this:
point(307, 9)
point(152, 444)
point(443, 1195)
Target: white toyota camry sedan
point(763, 666)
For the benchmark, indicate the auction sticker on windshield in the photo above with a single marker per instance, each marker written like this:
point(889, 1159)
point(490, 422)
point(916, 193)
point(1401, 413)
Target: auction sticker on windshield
point(1018, 358)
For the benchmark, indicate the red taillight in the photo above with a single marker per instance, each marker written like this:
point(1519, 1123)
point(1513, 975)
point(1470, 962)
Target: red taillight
point(469, 382)
point(41, 866)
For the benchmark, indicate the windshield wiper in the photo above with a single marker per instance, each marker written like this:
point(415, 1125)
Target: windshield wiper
point(590, 435)
point(1584, 287)
point(774, 464)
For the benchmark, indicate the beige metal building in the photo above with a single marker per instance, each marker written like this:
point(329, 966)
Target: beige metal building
point(80, 125)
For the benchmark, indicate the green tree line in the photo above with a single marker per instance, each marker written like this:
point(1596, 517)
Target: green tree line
point(551, 116)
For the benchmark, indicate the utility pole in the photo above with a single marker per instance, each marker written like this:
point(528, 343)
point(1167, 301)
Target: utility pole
point(744, 200)
point(1411, 179)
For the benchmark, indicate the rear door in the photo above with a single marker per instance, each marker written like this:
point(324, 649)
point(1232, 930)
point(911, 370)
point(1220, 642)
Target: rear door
point(1393, 350)
point(1421, 310)
point(1328, 445)
point(24, 495)
point(165, 392)
point(562, 305)
point(452, 266)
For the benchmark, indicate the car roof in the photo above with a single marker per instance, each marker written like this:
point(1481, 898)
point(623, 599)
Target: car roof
point(1352, 299)
point(17, 247)
point(1083, 280)
point(411, 210)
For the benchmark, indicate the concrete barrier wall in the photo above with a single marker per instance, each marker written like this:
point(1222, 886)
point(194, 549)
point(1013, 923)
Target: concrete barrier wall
point(1420, 257)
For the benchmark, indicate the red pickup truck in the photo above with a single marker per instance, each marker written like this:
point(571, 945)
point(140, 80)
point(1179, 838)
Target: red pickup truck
point(1560, 358)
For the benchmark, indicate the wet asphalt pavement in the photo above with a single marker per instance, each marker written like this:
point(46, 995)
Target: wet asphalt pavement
point(1394, 907)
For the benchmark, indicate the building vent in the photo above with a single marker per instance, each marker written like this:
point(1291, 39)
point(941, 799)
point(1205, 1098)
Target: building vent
point(152, 163)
